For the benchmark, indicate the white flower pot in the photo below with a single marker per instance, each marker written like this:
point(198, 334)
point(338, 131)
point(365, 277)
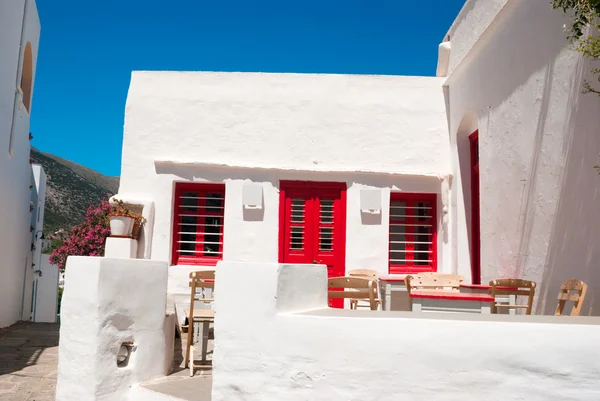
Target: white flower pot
point(121, 225)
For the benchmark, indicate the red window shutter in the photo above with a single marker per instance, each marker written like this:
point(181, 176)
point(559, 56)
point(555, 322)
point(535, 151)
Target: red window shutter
point(198, 224)
point(413, 233)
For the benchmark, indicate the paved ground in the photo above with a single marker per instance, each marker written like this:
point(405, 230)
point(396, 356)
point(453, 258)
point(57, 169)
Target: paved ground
point(28, 362)
point(29, 359)
point(179, 384)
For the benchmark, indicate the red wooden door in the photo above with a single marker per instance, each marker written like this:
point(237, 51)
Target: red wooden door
point(313, 226)
point(475, 218)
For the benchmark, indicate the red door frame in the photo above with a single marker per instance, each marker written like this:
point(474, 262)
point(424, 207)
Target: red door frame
point(309, 189)
point(475, 210)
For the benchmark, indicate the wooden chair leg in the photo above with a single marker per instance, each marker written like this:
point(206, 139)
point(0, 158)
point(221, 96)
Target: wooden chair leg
point(191, 351)
point(188, 346)
point(205, 327)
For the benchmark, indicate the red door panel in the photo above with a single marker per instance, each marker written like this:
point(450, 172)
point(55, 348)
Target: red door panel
point(298, 242)
point(475, 217)
point(313, 226)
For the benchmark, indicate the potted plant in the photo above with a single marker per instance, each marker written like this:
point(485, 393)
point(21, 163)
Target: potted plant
point(138, 223)
point(121, 220)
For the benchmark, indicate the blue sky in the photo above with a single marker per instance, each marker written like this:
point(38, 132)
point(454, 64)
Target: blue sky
point(89, 48)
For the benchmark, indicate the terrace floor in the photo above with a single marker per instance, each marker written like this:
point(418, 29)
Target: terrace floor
point(179, 384)
point(28, 362)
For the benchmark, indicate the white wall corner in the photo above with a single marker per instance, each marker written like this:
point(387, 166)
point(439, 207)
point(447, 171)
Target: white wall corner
point(301, 288)
point(445, 192)
point(108, 302)
point(444, 51)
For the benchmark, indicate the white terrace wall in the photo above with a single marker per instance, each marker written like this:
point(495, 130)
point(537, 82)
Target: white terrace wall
point(367, 131)
point(108, 302)
point(19, 25)
point(275, 340)
point(520, 86)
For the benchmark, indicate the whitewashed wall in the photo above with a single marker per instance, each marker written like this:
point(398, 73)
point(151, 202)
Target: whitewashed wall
point(108, 302)
point(368, 131)
point(276, 340)
point(38, 198)
point(466, 31)
point(14, 171)
point(520, 85)
point(46, 291)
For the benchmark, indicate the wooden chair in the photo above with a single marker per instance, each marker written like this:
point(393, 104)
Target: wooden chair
point(363, 273)
point(199, 280)
point(571, 290)
point(517, 287)
point(433, 282)
point(359, 288)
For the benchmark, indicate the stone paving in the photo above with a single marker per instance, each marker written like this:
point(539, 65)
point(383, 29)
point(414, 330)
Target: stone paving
point(28, 362)
point(179, 384)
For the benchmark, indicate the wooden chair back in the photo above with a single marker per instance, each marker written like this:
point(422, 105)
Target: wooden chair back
point(516, 287)
point(198, 280)
point(353, 287)
point(362, 273)
point(433, 282)
point(571, 290)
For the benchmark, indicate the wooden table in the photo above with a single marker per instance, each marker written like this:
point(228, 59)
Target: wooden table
point(486, 289)
point(450, 302)
point(395, 283)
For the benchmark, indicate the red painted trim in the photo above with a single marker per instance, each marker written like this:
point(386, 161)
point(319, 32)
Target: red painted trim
point(410, 267)
point(475, 210)
point(452, 296)
point(180, 187)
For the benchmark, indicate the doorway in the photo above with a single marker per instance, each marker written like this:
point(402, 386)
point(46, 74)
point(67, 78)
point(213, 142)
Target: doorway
point(475, 218)
point(312, 226)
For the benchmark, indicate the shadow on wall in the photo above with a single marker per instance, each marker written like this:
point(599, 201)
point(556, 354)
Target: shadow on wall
point(531, 189)
point(574, 248)
point(524, 40)
point(467, 126)
point(190, 172)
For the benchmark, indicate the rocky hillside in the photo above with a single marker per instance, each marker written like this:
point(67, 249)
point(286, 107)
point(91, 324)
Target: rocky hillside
point(71, 189)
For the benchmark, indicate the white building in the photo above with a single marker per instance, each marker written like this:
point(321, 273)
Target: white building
point(377, 171)
point(485, 170)
point(19, 39)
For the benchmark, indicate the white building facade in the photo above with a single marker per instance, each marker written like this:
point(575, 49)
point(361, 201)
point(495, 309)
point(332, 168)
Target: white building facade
point(512, 77)
point(307, 147)
point(19, 40)
point(485, 170)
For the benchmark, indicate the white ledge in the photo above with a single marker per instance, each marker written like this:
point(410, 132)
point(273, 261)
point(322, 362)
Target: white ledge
point(316, 168)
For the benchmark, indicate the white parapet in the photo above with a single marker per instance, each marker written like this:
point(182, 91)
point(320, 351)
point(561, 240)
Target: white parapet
point(275, 339)
point(121, 248)
point(112, 307)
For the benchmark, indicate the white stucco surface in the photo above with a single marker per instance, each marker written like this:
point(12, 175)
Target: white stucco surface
point(16, 29)
point(521, 86)
point(472, 21)
point(38, 201)
point(108, 302)
point(379, 132)
point(275, 340)
point(46, 292)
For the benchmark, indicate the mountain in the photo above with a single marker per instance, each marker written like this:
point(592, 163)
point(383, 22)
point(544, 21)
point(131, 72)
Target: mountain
point(71, 189)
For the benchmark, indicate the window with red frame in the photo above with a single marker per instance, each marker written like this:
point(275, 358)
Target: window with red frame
point(198, 225)
point(413, 233)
